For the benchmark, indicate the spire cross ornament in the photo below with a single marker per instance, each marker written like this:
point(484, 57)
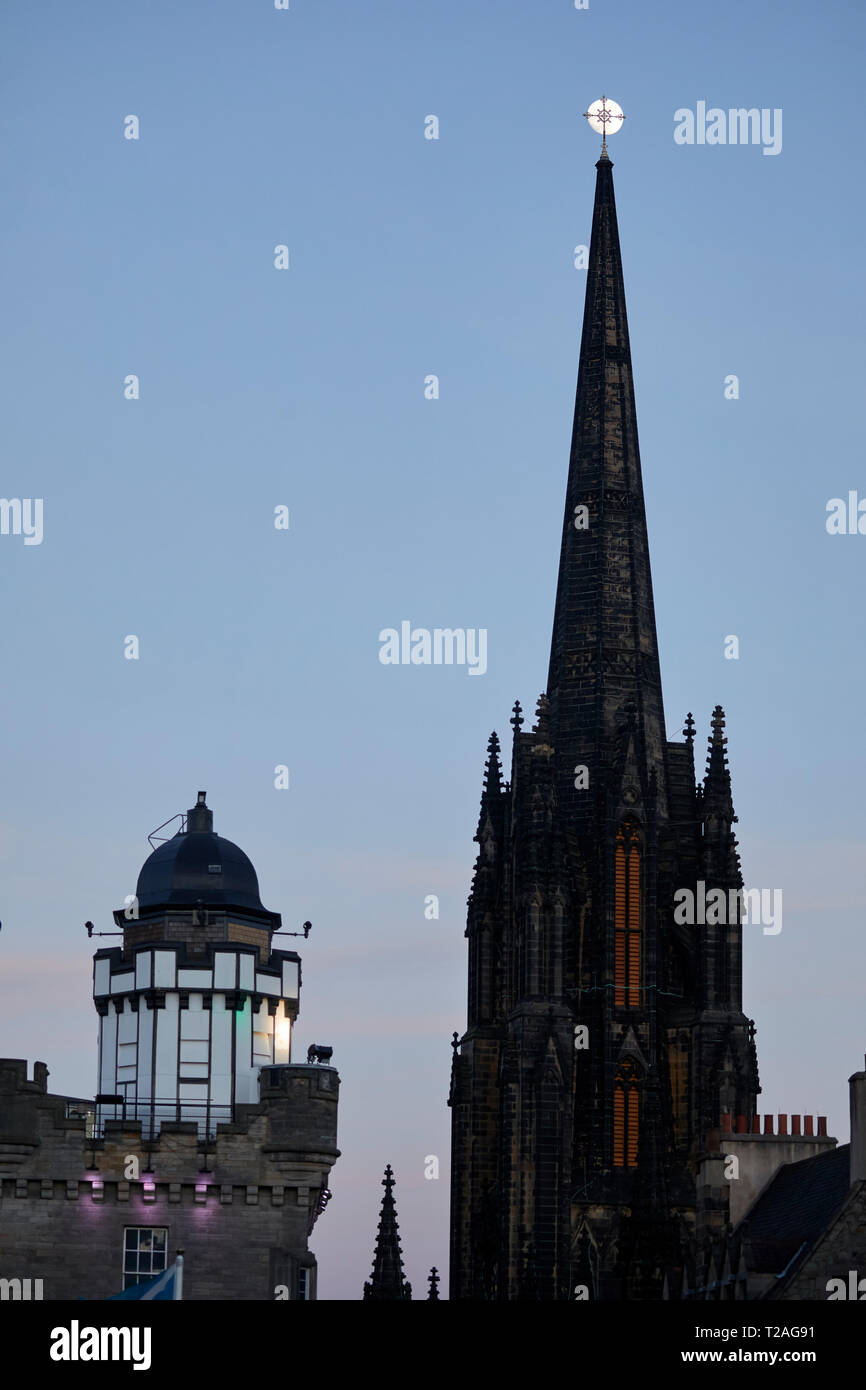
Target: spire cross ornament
point(601, 115)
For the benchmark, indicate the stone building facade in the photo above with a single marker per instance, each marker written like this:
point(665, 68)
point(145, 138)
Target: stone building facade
point(204, 1136)
point(781, 1213)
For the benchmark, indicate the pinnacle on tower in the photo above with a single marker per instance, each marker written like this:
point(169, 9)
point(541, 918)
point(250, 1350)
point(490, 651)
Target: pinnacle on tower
point(717, 781)
point(433, 1283)
point(493, 766)
point(516, 717)
point(387, 1281)
point(542, 717)
point(717, 740)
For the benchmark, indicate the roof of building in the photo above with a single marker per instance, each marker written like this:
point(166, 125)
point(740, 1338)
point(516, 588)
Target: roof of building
point(796, 1208)
point(198, 866)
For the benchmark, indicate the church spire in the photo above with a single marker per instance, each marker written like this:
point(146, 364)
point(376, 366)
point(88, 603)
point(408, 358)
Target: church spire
point(387, 1281)
point(604, 651)
point(604, 1036)
point(717, 781)
point(493, 767)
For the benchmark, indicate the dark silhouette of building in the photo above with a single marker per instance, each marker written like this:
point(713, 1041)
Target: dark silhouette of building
point(386, 1281)
point(605, 1039)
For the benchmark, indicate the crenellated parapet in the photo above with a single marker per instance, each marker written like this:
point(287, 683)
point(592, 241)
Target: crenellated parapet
point(256, 1188)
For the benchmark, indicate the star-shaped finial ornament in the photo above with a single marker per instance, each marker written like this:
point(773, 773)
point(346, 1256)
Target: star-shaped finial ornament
point(605, 115)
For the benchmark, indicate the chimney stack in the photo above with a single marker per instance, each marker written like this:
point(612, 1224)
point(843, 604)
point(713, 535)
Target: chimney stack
point(857, 1087)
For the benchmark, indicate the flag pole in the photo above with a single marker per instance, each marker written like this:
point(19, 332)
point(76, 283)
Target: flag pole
point(178, 1281)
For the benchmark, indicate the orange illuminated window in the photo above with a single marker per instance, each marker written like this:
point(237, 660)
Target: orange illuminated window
point(627, 920)
point(619, 1126)
point(625, 1118)
point(631, 1145)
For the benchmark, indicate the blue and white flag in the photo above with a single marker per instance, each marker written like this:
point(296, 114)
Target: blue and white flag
point(167, 1286)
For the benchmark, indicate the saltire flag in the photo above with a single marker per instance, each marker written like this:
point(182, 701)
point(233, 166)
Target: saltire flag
point(167, 1286)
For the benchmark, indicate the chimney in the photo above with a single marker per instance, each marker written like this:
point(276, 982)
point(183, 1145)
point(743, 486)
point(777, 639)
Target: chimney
point(857, 1087)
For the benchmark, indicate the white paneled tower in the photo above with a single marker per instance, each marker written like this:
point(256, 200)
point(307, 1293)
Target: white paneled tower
point(195, 1002)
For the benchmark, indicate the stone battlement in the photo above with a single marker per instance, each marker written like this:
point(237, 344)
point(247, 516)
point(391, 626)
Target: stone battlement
point(288, 1137)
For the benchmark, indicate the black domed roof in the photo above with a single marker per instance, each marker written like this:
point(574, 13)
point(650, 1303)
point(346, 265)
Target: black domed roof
point(198, 866)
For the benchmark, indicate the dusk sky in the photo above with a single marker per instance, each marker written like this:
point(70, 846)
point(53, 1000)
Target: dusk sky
point(305, 387)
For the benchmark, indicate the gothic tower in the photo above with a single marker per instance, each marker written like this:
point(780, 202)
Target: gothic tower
point(605, 1034)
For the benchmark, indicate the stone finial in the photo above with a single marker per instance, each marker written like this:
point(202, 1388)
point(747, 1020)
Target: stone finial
point(542, 716)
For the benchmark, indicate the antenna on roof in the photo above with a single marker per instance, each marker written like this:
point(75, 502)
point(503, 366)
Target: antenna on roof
point(155, 835)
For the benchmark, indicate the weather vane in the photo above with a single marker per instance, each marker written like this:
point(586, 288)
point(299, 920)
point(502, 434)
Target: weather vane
point(603, 115)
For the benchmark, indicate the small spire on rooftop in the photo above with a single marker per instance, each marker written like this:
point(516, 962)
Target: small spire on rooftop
point(387, 1281)
point(493, 766)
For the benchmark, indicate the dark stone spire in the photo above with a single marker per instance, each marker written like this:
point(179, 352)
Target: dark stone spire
point(387, 1280)
point(605, 1034)
point(483, 899)
point(490, 815)
point(604, 651)
point(433, 1283)
point(721, 858)
point(493, 767)
point(717, 781)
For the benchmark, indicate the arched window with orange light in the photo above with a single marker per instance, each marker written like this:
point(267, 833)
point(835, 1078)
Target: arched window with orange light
point(626, 1111)
point(628, 919)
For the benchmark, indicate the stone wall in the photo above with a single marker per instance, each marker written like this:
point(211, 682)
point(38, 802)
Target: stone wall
point(241, 1207)
point(841, 1250)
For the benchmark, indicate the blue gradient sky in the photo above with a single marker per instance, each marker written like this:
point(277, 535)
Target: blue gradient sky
point(260, 647)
